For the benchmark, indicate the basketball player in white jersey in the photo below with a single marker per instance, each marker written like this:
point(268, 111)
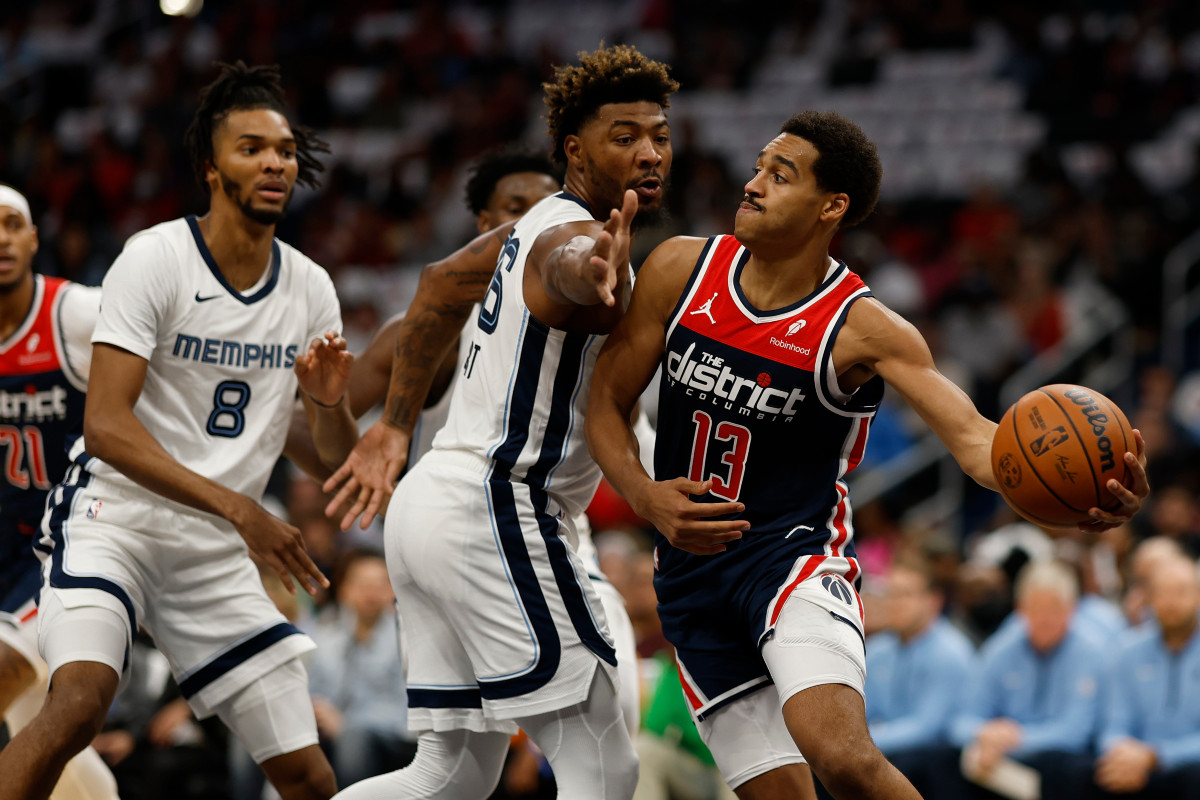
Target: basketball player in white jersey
point(500, 625)
point(207, 329)
point(45, 351)
point(502, 187)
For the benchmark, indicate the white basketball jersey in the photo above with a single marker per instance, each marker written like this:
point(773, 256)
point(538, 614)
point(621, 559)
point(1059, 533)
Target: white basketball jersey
point(433, 419)
point(219, 389)
point(523, 386)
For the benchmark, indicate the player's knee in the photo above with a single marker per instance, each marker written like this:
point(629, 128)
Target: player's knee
point(313, 779)
point(844, 770)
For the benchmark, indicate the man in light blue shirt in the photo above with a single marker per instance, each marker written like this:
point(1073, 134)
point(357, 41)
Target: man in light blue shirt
point(355, 677)
point(1150, 741)
point(1035, 695)
point(916, 671)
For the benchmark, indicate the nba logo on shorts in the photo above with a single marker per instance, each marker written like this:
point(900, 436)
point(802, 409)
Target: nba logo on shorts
point(94, 508)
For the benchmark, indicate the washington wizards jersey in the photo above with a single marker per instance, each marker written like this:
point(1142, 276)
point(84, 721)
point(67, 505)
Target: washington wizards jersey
point(43, 375)
point(523, 387)
point(220, 388)
point(750, 399)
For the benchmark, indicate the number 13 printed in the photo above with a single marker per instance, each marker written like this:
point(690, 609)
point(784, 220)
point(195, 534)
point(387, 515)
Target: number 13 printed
point(729, 486)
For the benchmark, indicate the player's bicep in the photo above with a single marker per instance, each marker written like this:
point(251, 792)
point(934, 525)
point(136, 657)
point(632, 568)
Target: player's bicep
point(459, 281)
point(117, 377)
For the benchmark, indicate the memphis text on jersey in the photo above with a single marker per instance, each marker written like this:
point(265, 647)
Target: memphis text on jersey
point(234, 354)
point(709, 379)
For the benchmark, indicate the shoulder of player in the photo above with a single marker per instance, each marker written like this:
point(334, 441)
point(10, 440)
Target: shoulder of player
point(877, 330)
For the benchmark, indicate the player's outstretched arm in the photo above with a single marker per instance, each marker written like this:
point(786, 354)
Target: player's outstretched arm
point(115, 435)
point(582, 267)
point(323, 373)
point(448, 290)
point(623, 368)
point(880, 341)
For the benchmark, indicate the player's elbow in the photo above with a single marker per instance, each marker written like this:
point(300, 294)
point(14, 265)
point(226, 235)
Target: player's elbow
point(100, 434)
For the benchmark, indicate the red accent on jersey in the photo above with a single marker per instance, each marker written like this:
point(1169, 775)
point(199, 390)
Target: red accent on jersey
point(806, 572)
point(791, 336)
point(34, 350)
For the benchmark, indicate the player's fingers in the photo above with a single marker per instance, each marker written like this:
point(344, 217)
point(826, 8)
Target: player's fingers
point(1141, 445)
point(629, 208)
point(275, 563)
point(348, 489)
point(372, 509)
point(690, 487)
point(346, 470)
point(304, 568)
point(1137, 466)
point(702, 510)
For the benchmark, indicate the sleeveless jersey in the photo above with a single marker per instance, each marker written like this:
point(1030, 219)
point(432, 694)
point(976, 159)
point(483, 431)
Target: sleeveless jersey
point(750, 399)
point(43, 376)
point(523, 387)
point(219, 389)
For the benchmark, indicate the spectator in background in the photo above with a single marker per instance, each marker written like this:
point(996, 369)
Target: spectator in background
point(1035, 695)
point(1146, 560)
point(355, 677)
point(1151, 737)
point(915, 673)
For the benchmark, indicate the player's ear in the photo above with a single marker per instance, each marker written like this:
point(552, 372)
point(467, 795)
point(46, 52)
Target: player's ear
point(483, 221)
point(33, 232)
point(573, 148)
point(836, 206)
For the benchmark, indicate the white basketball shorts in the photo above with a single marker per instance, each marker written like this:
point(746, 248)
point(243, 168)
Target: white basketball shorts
point(498, 618)
point(185, 576)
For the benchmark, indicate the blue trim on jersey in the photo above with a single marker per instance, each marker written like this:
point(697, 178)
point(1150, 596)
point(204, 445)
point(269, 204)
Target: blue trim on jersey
point(19, 332)
point(22, 587)
point(565, 195)
point(522, 395)
point(691, 281)
point(233, 657)
point(866, 398)
point(445, 698)
point(715, 707)
point(61, 509)
point(216, 271)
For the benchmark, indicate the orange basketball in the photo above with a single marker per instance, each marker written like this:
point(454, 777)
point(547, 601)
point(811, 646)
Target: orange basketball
point(1055, 451)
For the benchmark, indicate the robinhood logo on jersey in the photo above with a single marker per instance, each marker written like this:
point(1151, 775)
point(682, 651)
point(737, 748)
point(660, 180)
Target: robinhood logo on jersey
point(710, 380)
point(34, 406)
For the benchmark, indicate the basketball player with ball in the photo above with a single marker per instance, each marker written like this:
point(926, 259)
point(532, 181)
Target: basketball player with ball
point(774, 357)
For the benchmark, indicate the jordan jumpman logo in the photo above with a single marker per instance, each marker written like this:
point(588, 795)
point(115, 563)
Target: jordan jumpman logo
point(706, 309)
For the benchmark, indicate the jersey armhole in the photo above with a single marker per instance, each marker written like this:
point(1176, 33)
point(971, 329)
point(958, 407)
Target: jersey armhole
point(863, 401)
point(693, 282)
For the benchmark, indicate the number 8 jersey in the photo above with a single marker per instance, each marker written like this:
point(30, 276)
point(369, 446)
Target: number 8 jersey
point(219, 389)
point(749, 398)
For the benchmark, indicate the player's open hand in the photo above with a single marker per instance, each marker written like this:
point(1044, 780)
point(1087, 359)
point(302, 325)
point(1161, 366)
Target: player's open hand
point(369, 476)
point(610, 254)
point(687, 525)
point(324, 370)
point(1131, 498)
point(278, 545)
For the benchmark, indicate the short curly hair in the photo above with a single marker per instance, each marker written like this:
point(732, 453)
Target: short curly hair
point(847, 161)
point(498, 165)
point(617, 74)
point(242, 88)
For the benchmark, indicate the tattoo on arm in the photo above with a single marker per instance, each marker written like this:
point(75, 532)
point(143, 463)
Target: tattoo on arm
point(421, 345)
point(500, 234)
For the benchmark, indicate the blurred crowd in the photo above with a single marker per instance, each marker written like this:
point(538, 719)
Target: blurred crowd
point(94, 99)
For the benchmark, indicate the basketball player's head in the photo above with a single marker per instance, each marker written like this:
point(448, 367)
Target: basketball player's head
point(607, 118)
point(18, 240)
point(1046, 594)
point(507, 183)
point(244, 150)
point(821, 173)
point(1175, 595)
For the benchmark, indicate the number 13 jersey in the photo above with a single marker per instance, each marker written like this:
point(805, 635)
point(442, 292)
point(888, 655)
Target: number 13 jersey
point(219, 389)
point(749, 398)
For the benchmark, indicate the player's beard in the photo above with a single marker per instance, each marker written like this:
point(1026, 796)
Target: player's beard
point(645, 217)
point(263, 216)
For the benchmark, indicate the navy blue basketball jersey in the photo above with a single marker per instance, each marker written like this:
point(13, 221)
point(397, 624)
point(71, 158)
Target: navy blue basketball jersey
point(41, 412)
point(749, 398)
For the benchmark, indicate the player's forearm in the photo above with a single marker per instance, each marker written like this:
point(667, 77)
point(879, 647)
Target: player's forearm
point(614, 445)
point(334, 432)
point(120, 440)
point(568, 275)
point(300, 448)
point(430, 328)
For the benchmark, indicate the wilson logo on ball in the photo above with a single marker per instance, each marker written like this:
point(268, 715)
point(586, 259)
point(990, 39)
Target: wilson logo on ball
point(1098, 419)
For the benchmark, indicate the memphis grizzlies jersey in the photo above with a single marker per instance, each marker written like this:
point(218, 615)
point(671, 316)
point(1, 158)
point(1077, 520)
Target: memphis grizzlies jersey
point(750, 399)
point(219, 389)
point(43, 375)
point(523, 387)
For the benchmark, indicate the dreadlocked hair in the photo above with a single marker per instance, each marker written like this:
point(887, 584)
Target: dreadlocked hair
point(243, 88)
point(498, 165)
point(617, 74)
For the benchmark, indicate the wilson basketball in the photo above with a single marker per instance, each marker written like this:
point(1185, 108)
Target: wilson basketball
point(1056, 449)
